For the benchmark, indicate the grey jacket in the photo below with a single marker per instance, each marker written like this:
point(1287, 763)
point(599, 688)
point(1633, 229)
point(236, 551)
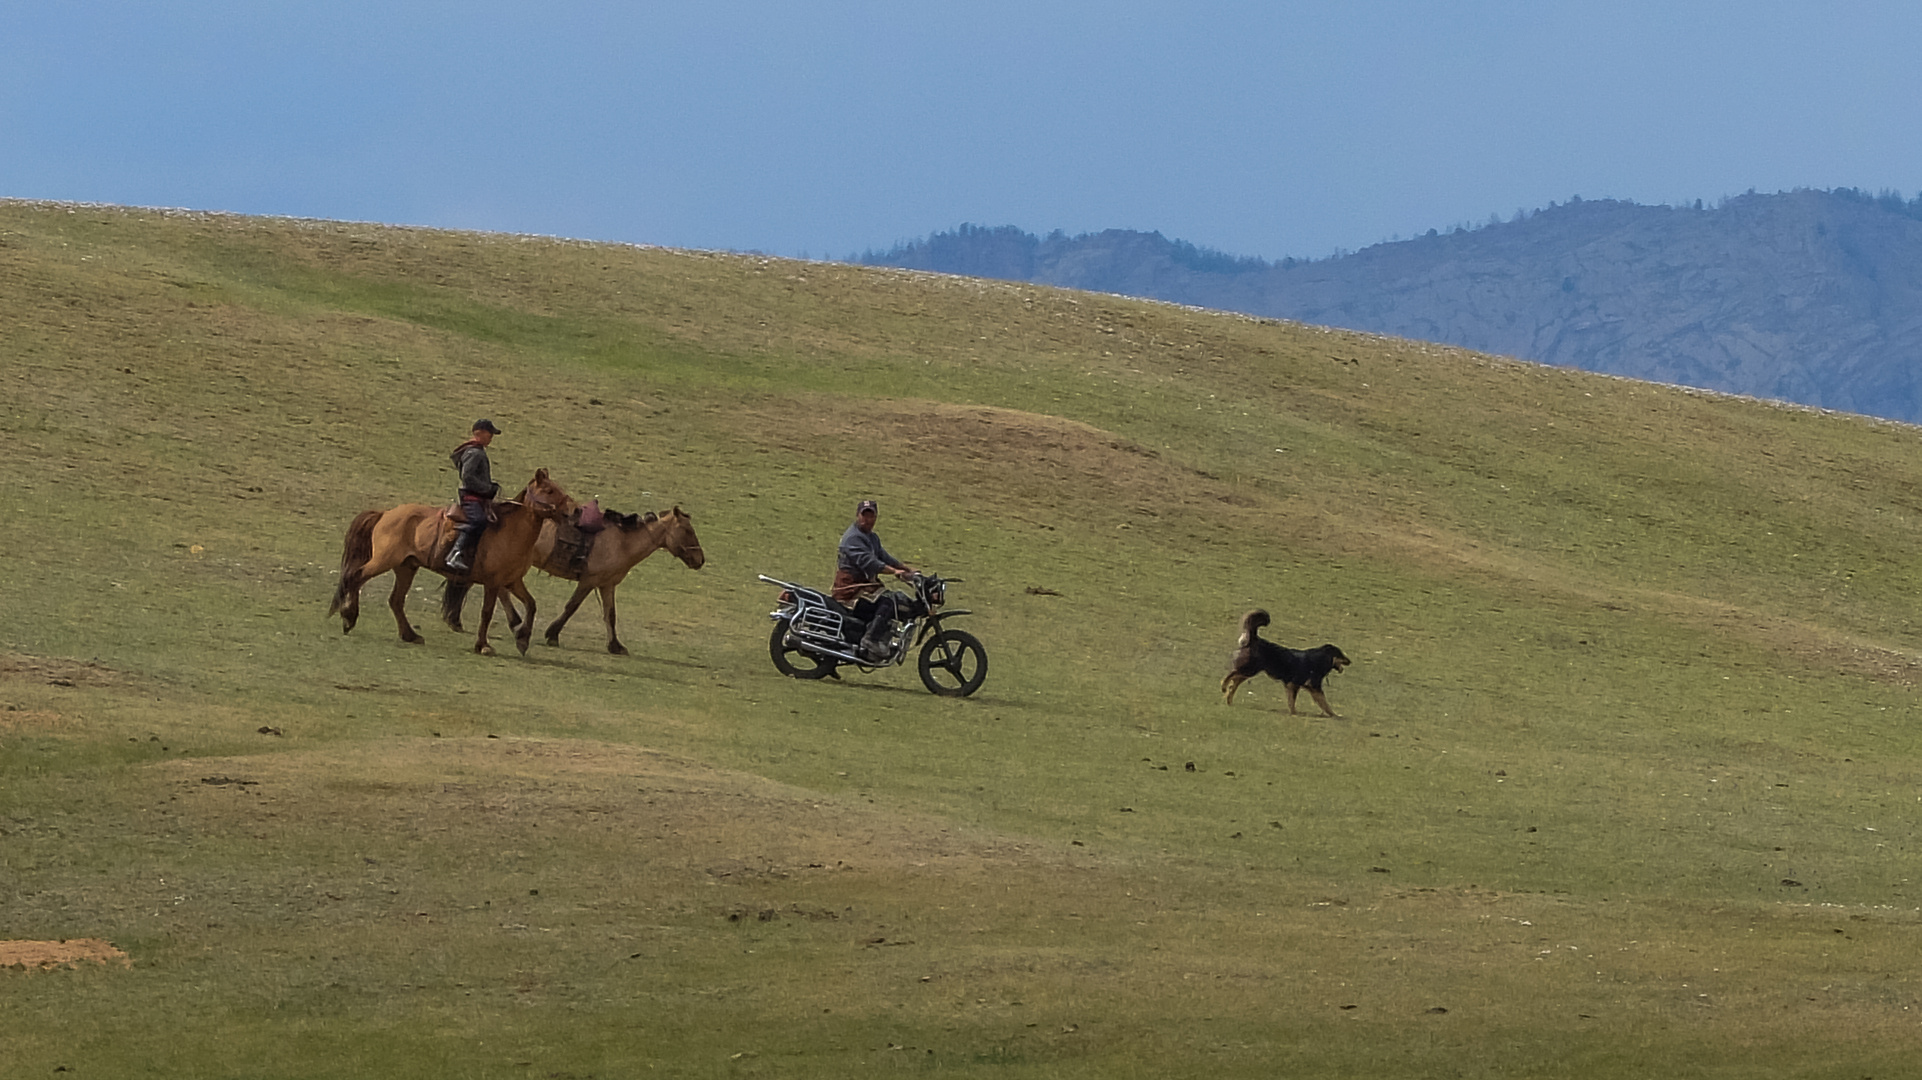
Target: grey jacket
point(862, 556)
point(476, 478)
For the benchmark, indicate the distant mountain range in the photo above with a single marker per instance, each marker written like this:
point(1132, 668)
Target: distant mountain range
point(1806, 296)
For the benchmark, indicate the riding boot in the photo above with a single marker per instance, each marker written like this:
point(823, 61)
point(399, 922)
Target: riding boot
point(457, 558)
point(874, 643)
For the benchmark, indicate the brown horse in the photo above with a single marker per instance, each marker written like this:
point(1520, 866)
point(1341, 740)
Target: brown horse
point(628, 539)
point(409, 537)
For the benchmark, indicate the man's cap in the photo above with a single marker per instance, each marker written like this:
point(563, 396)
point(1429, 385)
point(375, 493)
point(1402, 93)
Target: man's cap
point(865, 506)
point(486, 425)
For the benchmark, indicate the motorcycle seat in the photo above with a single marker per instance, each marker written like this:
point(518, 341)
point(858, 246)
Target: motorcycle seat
point(810, 595)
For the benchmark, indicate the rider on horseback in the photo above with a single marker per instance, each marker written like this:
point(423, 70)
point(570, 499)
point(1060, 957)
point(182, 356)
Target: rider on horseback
point(859, 563)
point(477, 491)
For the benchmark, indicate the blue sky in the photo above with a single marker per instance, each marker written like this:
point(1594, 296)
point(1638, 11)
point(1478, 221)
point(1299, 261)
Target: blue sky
point(827, 128)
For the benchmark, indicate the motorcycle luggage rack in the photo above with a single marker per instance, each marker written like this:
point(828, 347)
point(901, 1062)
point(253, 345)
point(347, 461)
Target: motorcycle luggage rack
point(818, 622)
point(812, 615)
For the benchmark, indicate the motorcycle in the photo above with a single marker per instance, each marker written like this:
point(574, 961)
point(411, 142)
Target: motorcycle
point(814, 636)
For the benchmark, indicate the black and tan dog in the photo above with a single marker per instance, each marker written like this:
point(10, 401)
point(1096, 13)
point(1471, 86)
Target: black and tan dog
point(1296, 668)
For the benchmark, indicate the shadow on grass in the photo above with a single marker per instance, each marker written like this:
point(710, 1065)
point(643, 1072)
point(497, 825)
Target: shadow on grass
point(630, 656)
point(912, 689)
point(586, 664)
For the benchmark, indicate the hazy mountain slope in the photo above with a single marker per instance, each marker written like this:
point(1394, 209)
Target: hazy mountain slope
point(1807, 296)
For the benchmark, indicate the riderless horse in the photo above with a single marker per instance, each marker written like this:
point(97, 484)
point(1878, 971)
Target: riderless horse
point(599, 561)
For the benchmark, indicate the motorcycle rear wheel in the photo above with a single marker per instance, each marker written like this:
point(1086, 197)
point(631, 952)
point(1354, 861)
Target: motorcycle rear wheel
point(953, 664)
point(794, 662)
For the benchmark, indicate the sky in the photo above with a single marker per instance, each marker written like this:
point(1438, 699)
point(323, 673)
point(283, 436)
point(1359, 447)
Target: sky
point(829, 128)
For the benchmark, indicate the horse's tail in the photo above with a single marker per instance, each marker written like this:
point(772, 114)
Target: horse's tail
point(1251, 623)
point(452, 598)
point(355, 552)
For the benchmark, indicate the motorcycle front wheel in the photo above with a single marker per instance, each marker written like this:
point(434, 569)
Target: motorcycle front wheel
point(794, 662)
point(953, 664)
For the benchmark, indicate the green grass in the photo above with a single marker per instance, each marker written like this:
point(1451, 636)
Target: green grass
point(1629, 661)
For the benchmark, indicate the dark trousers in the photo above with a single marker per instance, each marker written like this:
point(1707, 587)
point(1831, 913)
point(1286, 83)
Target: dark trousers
point(473, 522)
point(878, 613)
point(883, 610)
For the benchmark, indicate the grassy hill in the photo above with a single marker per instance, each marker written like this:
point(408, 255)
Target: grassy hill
point(1623, 782)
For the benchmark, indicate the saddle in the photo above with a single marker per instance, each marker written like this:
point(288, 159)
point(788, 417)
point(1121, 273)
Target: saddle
point(456, 512)
point(574, 541)
point(446, 523)
point(572, 546)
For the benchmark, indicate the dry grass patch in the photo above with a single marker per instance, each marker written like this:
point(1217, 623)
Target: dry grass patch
point(14, 719)
point(38, 672)
point(1039, 461)
point(57, 671)
point(495, 794)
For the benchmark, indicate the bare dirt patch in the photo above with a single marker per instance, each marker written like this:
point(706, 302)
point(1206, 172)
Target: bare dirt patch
point(47, 955)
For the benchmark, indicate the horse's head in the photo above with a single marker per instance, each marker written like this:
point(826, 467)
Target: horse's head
point(546, 498)
point(680, 538)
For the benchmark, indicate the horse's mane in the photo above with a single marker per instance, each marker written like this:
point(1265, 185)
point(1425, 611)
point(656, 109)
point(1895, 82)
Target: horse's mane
point(518, 502)
point(630, 522)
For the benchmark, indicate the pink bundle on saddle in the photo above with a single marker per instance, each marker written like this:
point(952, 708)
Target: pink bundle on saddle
point(591, 519)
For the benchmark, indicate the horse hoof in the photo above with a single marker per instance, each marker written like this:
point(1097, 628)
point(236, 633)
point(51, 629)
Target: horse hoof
point(554, 642)
point(484, 650)
point(413, 639)
point(617, 648)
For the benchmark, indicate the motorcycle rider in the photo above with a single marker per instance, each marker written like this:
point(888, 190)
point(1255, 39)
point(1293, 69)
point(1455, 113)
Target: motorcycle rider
point(858, 565)
point(477, 491)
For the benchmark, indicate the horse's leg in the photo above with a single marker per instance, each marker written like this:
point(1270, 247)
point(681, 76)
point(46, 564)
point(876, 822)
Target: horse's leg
point(403, 581)
point(524, 634)
point(573, 602)
point(607, 613)
point(380, 563)
point(487, 616)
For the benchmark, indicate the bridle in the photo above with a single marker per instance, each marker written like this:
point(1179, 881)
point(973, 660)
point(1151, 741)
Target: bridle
point(667, 523)
point(693, 549)
point(541, 505)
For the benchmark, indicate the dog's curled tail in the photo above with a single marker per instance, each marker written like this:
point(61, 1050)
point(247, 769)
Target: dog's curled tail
point(1250, 623)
